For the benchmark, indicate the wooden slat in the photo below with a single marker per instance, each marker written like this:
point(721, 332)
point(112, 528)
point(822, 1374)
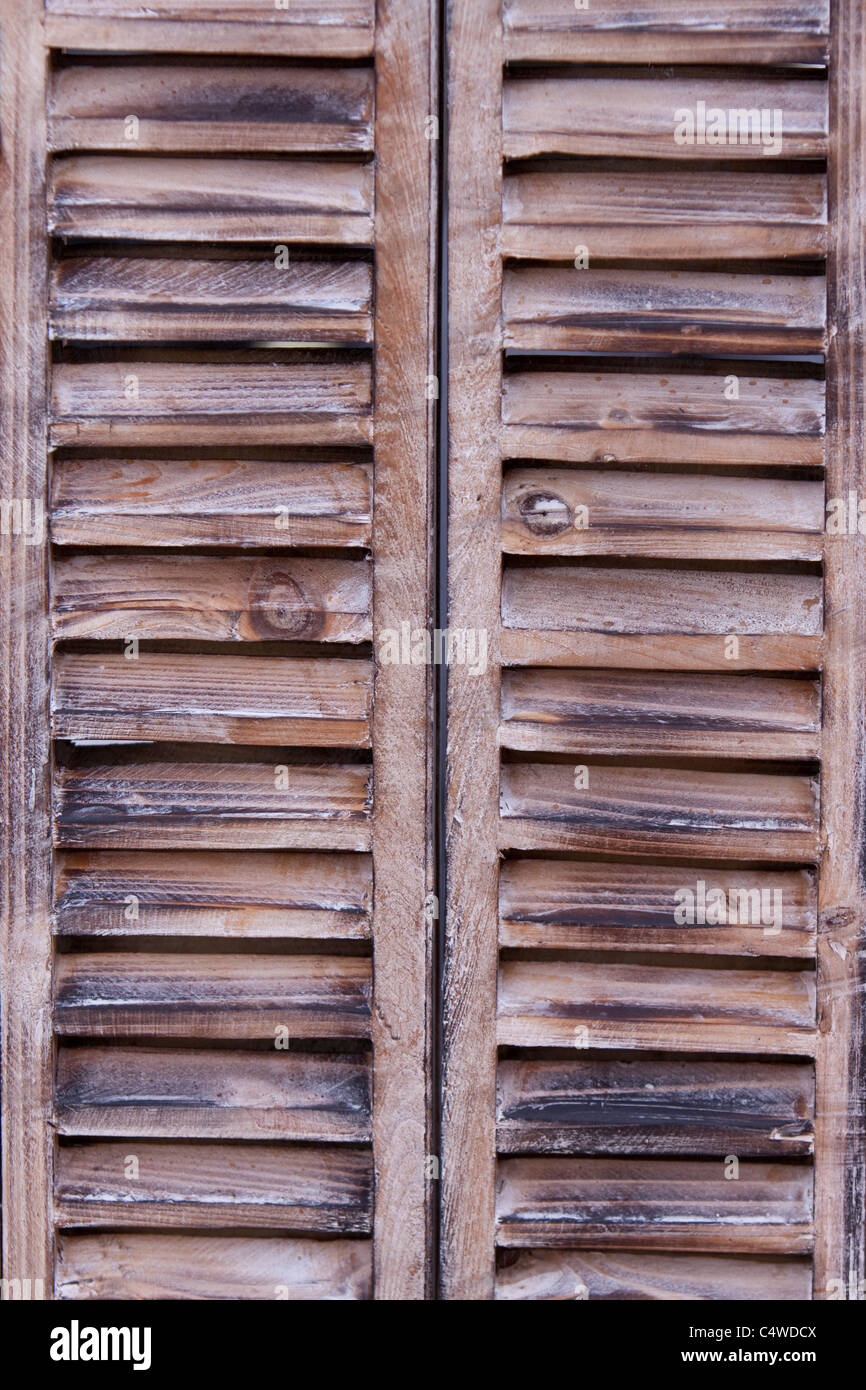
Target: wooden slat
point(669, 418)
point(561, 905)
point(613, 1005)
point(637, 116)
point(217, 699)
point(558, 308)
point(146, 799)
point(210, 107)
point(667, 31)
point(279, 201)
point(223, 599)
point(672, 516)
point(663, 1204)
point(120, 1267)
point(591, 1274)
point(245, 397)
point(586, 598)
point(122, 995)
point(198, 1094)
point(618, 712)
point(753, 1109)
point(270, 1186)
point(156, 299)
point(204, 501)
point(686, 213)
point(644, 809)
point(668, 652)
point(114, 893)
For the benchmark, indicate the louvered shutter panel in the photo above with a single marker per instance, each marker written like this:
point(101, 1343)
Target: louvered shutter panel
point(645, 392)
point(217, 346)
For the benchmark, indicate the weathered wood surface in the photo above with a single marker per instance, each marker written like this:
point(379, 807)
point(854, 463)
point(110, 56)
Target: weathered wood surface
point(198, 1094)
point(271, 1186)
point(619, 712)
point(587, 416)
point(650, 809)
point(200, 797)
point(203, 107)
point(321, 702)
point(635, 116)
point(224, 599)
point(124, 995)
point(671, 516)
point(690, 1009)
point(279, 201)
point(561, 309)
point(660, 652)
point(588, 1274)
point(196, 1266)
point(164, 501)
point(667, 31)
point(241, 397)
point(682, 213)
point(335, 29)
point(309, 896)
point(155, 299)
point(755, 1109)
point(561, 905)
point(663, 1204)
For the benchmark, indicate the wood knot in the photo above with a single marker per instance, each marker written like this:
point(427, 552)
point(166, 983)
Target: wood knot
point(545, 514)
point(280, 608)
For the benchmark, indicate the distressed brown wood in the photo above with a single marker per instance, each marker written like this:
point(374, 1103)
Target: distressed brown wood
point(336, 29)
point(555, 905)
point(209, 106)
point(117, 893)
point(197, 1094)
point(153, 299)
point(623, 1276)
point(657, 1205)
point(679, 213)
point(670, 516)
point(123, 995)
point(275, 200)
point(103, 1266)
point(276, 1186)
point(667, 651)
point(667, 31)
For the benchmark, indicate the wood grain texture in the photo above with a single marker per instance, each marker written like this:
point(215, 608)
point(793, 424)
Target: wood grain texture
point(561, 309)
point(584, 1004)
point(322, 703)
point(667, 31)
point(25, 949)
point(336, 29)
point(647, 809)
point(224, 599)
point(474, 557)
point(561, 905)
point(190, 199)
point(840, 1138)
point(111, 1267)
point(201, 107)
point(199, 1094)
point(237, 502)
point(187, 798)
point(753, 1109)
point(677, 214)
point(636, 116)
point(587, 417)
point(589, 1274)
point(783, 652)
point(133, 995)
point(619, 712)
point(663, 1204)
point(671, 516)
point(270, 1186)
point(157, 299)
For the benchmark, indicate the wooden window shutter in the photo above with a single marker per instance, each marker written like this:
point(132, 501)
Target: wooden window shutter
point(653, 993)
point(217, 346)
